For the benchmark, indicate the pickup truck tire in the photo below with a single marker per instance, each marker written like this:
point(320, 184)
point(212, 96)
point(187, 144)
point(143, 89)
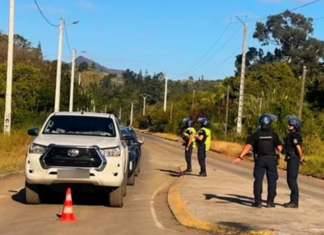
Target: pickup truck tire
point(32, 194)
point(116, 197)
point(131, 179)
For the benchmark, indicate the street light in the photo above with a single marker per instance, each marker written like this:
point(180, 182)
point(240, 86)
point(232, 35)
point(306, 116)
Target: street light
point(144, 102)
point(59, 64)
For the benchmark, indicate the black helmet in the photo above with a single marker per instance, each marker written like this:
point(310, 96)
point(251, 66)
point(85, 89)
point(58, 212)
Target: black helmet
point(265, 120)
point(294, 121)
point(187, 121)
point(203, 121)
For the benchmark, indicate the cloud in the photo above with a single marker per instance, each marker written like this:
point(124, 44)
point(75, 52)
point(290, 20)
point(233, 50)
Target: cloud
point(87, 5)
point(45, 9)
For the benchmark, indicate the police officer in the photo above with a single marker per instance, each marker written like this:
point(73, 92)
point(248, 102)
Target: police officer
point(293, 156)
point(189, 141)
point(203, 140)
point(264, 143)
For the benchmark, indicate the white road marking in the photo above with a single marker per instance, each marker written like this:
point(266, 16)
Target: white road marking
point(157, 223)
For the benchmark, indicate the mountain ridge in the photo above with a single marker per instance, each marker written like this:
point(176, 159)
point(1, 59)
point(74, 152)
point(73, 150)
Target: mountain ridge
point(80, 59)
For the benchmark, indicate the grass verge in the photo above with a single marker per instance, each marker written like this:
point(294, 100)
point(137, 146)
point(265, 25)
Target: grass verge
point(314, 164)
point(13, 149)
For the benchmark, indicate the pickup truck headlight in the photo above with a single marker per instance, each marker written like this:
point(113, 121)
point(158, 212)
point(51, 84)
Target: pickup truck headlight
point(36, 149)
point(110, 152)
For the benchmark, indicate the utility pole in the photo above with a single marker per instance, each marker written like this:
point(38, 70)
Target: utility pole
point(165, 93)
point(72, 81)
point(241, 95)
point(79, 78)
point(226, 118)
point(58, 70)
point(7, 117)
point(120, 111)
point(260, 106)
point(131, 115)
point(144, 102)
point(301, 101)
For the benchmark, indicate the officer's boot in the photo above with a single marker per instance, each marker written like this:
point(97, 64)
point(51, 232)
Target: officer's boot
point(270, 204)
point(290, 205)
point(256, 204)
point(188, 170)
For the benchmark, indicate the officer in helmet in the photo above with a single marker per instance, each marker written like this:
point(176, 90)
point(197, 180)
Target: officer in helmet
point(264, 143)
point(294, 157)
point(189, 141)
point(203, 140)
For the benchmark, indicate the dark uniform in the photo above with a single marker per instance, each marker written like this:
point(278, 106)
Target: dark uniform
point(188, 147)
point(264, 143)
point(292, 158)
point(203, 145)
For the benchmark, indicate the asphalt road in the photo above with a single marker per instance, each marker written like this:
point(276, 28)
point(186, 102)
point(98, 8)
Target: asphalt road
point(308, 186)
point(145, 209)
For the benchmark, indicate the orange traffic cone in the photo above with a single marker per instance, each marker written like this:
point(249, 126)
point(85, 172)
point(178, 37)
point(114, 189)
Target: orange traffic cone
point(67, 213)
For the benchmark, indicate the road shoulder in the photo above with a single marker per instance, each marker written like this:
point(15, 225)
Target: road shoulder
point(186, 218)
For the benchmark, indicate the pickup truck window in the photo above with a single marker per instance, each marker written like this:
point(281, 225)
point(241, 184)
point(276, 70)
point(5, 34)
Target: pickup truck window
point(80, 125)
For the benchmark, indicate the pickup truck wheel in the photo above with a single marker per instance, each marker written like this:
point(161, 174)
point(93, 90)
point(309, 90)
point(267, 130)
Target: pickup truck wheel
point(131, 179)
point(116, 197)
point(32, 194)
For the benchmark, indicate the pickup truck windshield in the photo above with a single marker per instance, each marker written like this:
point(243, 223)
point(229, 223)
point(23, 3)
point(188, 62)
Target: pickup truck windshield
point(80, 125)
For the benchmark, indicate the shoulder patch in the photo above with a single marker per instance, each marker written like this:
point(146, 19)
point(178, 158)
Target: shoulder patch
point(295, 141)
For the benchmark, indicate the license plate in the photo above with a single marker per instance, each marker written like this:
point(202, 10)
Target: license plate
point(73, 174)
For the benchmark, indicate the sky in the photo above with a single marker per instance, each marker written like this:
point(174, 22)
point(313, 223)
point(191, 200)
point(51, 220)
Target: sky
point(171, 36)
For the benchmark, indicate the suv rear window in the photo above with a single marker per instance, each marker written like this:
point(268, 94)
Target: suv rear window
point(80, 125)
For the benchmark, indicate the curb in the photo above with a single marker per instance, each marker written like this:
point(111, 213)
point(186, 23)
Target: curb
point(185, 218)
point(11, 174)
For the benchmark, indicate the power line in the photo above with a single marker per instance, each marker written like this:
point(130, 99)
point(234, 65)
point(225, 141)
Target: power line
point(320, 18)
point(293, 9)
point(214, 44)
point(67, 38)
point(40, 11)
point(220, 47)
point(305, 5)
point(229, 57)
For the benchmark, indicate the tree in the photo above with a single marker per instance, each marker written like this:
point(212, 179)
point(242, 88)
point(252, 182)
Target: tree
point(83, 66)
point(93, 66)
point(291, 34)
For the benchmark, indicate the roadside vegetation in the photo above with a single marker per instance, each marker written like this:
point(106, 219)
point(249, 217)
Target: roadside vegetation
point(272, 85)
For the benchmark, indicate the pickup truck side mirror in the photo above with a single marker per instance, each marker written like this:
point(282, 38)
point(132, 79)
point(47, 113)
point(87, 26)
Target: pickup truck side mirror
point(33, 131)
point(126, 137)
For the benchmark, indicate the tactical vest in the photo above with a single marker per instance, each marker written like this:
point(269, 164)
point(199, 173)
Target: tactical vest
point(264, 139)
point(186, 136)
point(290, 148)
point(208, 138)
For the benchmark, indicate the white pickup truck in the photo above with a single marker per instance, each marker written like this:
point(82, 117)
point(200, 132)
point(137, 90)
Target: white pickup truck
point(77, 149)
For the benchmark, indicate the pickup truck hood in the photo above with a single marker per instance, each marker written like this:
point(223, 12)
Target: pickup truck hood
point(77, 140)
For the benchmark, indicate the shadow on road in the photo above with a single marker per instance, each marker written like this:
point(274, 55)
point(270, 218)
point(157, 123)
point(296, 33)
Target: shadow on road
point(176, 173)
point(242, 227)
point(52, 197)
point(170, 172)
point(234, 198)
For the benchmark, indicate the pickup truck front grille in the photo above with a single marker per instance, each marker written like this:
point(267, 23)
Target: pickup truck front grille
point(70, 156)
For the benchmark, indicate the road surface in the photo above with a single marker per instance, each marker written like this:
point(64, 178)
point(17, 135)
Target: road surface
point(145, 209)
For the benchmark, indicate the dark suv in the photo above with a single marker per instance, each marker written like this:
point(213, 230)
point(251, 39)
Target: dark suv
point(135, 153)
